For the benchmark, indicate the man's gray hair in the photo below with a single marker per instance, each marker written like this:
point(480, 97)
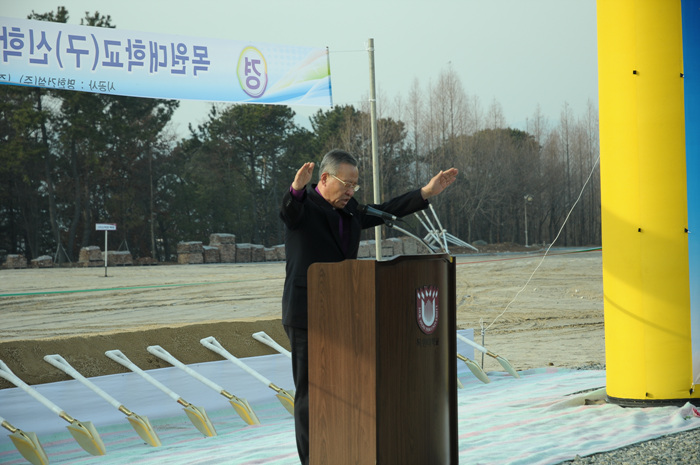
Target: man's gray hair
point(332, 160)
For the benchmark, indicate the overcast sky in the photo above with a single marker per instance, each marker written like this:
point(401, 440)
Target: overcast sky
point(519, 52)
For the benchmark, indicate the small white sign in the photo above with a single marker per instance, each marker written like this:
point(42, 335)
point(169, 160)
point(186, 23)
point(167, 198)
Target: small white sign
point(105, 227)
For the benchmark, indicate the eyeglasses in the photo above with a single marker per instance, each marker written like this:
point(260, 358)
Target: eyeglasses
point(348, 185)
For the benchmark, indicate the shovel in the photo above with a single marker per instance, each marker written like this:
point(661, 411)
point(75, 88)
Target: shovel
point(431, 229)
point(504, 363)
point(241, 406)
point(83, 432)
point(442, 230)
point(197, 415)
point(265, 339)
point(27, 444)
point(475, 369)
point(140, 423)
point(286, 398)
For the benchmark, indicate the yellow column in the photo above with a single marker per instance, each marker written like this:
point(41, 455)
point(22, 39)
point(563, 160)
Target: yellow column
point(644, 201)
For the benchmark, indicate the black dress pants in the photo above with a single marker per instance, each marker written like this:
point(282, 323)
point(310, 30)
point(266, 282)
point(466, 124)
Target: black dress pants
point(298, 339)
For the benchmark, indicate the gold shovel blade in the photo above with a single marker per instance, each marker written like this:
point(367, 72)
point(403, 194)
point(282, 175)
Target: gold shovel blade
point(287, 400)
point(144, 429)
point(477, 371)
point(244, 410)
point(507, 366)
point(87, 437)
point(29, 446)
point(199, 418)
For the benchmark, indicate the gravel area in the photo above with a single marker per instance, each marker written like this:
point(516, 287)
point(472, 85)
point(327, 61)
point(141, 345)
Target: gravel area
point(679, 448)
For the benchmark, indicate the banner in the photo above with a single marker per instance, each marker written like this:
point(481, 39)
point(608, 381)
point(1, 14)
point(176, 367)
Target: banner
point(140, 64)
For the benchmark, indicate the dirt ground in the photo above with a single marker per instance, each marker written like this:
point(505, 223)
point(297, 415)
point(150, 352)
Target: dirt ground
point(536, 311)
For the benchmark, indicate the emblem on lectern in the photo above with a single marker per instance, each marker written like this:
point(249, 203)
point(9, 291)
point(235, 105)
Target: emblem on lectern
point(427, 308)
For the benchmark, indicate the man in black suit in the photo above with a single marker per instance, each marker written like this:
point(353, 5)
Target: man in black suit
point(323, 224)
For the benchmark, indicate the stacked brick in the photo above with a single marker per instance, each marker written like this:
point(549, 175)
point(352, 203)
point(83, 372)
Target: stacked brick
point(15, 261)
point(190, 253)
point(243, 253)
point(45, 261)
point(226, 243)
point(222, 248)
point(118, 258)
point(274, 254)
point(368, 249)
point(410, 246)
point(211, 254)
point(91, 256)
point(257, 253)
point(395, 244)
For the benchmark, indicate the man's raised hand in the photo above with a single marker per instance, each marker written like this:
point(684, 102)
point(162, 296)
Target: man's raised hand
point(439, 183)
point(303, 176)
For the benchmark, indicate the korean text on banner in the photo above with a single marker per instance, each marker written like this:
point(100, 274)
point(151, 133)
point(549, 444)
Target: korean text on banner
point(142, 64)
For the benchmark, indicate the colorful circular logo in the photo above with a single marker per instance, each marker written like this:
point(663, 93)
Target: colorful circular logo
point(252, 72)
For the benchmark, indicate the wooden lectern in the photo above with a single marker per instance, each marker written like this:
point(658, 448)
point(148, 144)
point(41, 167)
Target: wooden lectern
point(382, 371)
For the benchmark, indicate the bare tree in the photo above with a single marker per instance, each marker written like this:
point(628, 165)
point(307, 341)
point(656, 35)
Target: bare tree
point(495, 119)
point(537, 125)
point(565, 133)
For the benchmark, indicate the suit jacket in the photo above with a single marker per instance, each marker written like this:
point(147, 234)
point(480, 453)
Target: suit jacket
point(312, 235)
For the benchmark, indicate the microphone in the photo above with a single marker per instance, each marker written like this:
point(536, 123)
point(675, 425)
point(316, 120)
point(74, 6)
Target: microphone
point(367, 210)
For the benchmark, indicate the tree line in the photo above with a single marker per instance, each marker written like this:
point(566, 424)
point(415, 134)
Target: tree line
point(69, 160)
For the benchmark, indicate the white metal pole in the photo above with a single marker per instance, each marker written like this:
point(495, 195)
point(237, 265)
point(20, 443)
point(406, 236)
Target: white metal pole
point(527, 198)
point(525, 221)
point(375, 157)
point(106, 253)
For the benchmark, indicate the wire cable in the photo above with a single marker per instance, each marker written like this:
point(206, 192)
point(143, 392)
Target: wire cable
point(595, 165)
